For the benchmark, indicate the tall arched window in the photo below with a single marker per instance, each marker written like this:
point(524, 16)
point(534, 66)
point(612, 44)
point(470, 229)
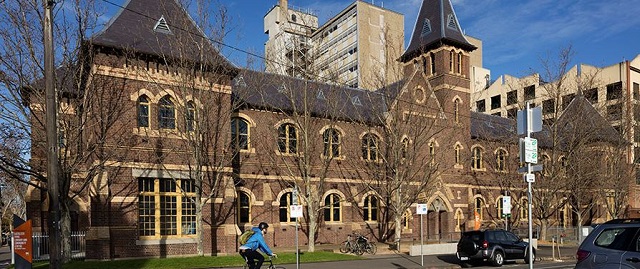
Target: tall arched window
point(143, 111)
point(190, 119)
point(370, 144)
point(370, 208)
point(332, 207)
point(501, 160)
point(405, 147)
point(499, 206)
point(166, 113)
point(451, 61)
point(406, 219)
point(432, 152)
point(239, 134)
point(331, 141)
point(243, 207)
point(286, 200)
point(459, 62)
point(476, 158)
point(456, 110)
point(432, 58)
point(287, 138)
point(478, 206)
point(458, 149)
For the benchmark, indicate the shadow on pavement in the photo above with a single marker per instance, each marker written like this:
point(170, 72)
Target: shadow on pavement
point(452, 259)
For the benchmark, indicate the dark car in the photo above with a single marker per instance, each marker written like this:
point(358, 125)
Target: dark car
point(495, 246)
point(613, 244)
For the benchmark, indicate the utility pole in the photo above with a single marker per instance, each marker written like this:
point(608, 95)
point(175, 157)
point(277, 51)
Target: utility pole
point(52, 139)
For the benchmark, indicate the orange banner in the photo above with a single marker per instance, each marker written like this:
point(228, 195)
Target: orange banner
point(476, 225)
point(22, 241)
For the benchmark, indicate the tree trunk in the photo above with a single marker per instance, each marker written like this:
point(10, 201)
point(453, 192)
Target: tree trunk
point(398, 230)
point(65, 233)
point(199, 229)
point(544, 223)
point(313, 226)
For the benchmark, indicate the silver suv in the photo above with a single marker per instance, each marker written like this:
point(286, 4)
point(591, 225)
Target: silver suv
point(614, 244)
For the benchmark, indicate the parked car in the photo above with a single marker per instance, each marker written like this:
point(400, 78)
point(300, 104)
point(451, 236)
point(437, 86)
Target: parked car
point(613, 244)
point(495, 246)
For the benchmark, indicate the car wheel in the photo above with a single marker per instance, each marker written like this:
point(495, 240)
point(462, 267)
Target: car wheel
point(498, 259)
point(526, 257)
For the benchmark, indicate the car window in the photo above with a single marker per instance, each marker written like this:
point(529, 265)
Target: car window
point(616, 238)
point(490, 237)
point(500, 236)
point(512, 237)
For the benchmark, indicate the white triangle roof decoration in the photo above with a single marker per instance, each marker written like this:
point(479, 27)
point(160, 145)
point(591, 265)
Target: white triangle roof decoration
point(162, 26)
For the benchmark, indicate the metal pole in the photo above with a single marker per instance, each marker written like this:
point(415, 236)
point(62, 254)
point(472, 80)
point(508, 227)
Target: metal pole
point(297, 249)
point(421, 241)
point(528, 117)
point(52, 137)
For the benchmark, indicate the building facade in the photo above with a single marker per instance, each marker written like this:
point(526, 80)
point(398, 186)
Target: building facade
point(201, 150)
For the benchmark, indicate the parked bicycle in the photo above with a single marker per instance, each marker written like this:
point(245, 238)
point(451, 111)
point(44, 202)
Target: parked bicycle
point(358, 244)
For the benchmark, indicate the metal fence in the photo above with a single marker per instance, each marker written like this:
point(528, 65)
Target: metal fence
point(41, 246)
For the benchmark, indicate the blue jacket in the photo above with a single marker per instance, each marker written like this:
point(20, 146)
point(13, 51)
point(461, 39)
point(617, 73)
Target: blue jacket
point(256, 241)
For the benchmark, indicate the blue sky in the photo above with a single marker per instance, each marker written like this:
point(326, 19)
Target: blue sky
point(515, 34)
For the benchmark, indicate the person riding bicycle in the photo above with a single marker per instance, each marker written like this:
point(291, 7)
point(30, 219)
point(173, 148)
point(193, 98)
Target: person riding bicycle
point(249, 251)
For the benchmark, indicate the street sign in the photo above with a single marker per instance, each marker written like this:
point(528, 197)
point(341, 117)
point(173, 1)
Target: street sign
point(421, 209)
point(506, 205)
point(531, 122)
point(534, 168)
point(529, 150)
point(296, 211)
point(529, 178)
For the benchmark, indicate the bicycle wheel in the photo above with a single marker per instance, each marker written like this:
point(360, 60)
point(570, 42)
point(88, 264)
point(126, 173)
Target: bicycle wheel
point(358, 249)
point(371, 248)
point(345, 247)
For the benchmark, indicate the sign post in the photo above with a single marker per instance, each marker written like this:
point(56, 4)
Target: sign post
point(296, 212)
point(22, 243)
point(506, 209)
point(529, 121)
point(421, 209)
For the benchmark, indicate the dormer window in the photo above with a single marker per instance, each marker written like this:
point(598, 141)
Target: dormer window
point(426, 28)
point(162, 26)
point(451, 22)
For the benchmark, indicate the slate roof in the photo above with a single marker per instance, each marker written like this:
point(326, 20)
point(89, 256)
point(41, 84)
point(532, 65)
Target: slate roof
point(282, 93)
point(160, 28)
point(436, 24)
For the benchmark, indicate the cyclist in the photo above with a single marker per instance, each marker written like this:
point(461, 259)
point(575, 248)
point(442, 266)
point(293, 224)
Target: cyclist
point(249, 251)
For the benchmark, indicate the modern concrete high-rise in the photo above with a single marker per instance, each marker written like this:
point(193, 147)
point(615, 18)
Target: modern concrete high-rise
point(358, 47)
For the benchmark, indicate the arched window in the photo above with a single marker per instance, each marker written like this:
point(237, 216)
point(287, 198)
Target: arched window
point(243, 207)
point(432, 152)
point(166, 113)
point(190, 120)
point(524, 209)
point(451, 61)
point(501, 160)
point(405, 147)
point(476, 158)
point(370, 144)
point(478, 206)
point(499, 207)
point(143, 111)
point(456, 110)
point(286, 200)
point(287, 138)
point(459, 62)
point(458, 149)
point(332, 207)
point(331, 139)
point(432, 58)
point(370, 208)
point(239, 134)
point(406, 219)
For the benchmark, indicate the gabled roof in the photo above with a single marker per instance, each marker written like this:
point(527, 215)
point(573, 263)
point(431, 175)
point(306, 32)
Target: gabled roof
point(287, 94)
point(161, 28)
point(581, 120)
point(436, 25)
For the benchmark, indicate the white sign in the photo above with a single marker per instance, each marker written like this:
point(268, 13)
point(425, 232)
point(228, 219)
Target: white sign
point(529, 150)
point(421, 209)
point(296, 211)
point(529, 178)
point(506, 205)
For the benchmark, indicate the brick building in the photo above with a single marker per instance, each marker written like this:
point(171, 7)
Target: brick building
point(198, 139)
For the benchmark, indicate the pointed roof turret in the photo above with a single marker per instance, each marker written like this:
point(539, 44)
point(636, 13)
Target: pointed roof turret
point(161, 28)
point(436, 25)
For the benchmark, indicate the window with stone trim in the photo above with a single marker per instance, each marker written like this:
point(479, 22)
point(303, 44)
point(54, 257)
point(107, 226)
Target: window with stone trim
point(239, 134)
point(476, 158)
point(370, 147)
point(457, 150)
point(166, 113)
point(190, 116)
point(331, 139)
point(287, 138)
point(370, 209)
point(243, 207)
point(456, 110)
point(332, 208)
point(143, 111)
point(478, 207)
point(164, 209)
point(286, 200)
point(501, 160)
point(499, 206)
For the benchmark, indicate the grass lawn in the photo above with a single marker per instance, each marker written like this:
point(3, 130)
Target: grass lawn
point(200, 262)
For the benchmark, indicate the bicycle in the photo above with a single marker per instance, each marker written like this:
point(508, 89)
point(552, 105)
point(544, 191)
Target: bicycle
point(360, 245)
point(270, 266)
